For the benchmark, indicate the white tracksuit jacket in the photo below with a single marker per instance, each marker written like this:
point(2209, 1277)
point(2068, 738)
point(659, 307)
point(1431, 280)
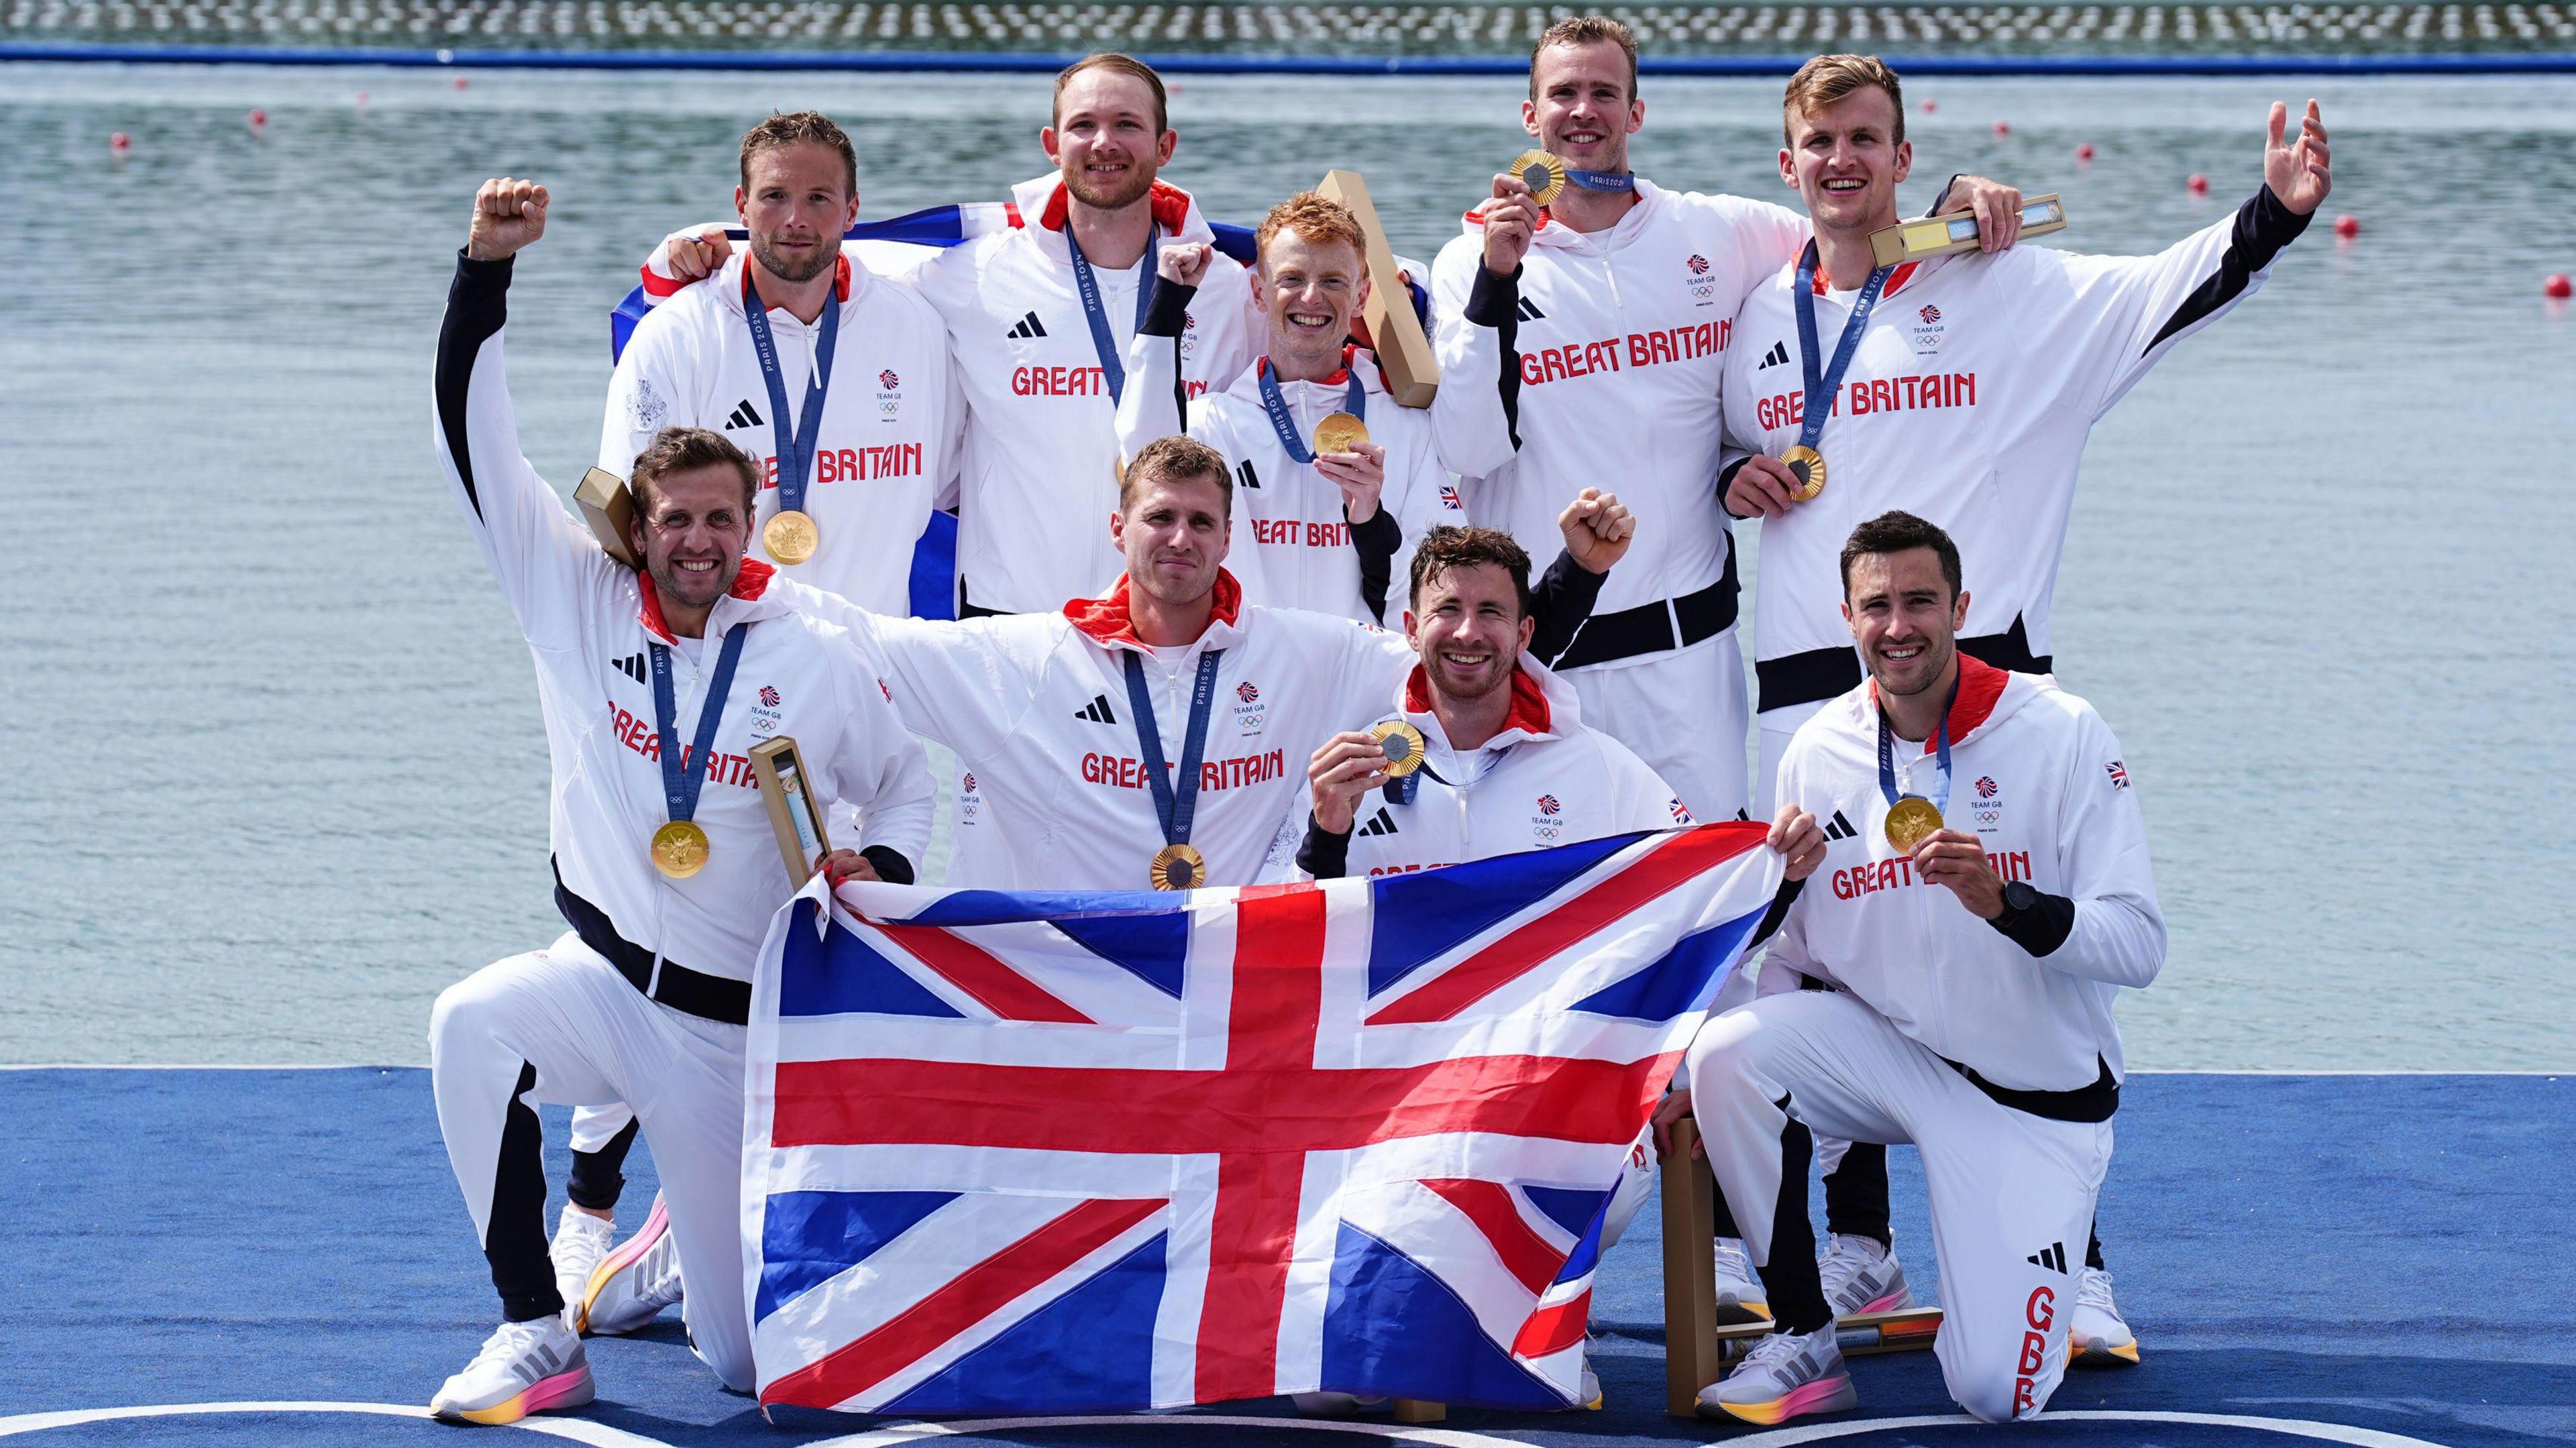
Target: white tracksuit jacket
point(1036, 707)
point(1967, 403)
point(1292, 547)
point(2038, 776)
point(1604, 372)
point(1040, 473)
point(891, 416)
point(1545, 780)
point(589, 621)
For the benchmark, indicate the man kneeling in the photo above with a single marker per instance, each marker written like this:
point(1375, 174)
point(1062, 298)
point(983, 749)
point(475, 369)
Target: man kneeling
point(1968, 945)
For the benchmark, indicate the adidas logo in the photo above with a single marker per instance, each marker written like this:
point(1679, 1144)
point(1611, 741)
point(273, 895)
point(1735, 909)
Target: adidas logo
point(2052, 1257)
point(1097, 711)
point(1028, 329)
point(1246, 475)
point(1839, 828)
point(1384, 824)
point(744, 415)
point(1529, 311)
point(1778, 354)
point(632, 666)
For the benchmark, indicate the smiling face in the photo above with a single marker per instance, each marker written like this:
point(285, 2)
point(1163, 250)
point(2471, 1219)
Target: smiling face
point(1466, 623)
point(692, 527)
point(1845, 160)
point(796, 203)
point(1583, 106)
point(1308, 291)
point(1904, 618)
point(1107, 138)
point(1173, 533)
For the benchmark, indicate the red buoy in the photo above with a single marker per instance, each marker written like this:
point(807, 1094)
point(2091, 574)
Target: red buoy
point(460, 82)
point(362, 100)
point(120, 143)
point(258, 120)
point(2558, 288)
point(1930, 105)
point(2084, 152)
point(2198, 184)
point(2347, 226)
point(2003, 128)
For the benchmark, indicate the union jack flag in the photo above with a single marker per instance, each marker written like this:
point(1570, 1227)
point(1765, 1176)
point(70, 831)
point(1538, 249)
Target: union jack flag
point(1063, 1153)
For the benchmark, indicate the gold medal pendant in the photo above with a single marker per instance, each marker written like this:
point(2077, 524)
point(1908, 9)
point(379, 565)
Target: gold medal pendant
point(1909, 820)
point(1541, 172)
point(1339, 432)
point(1178, 867)
point(1809, 465)
point(1403, 745)
point(680, 849)
point(790, 536)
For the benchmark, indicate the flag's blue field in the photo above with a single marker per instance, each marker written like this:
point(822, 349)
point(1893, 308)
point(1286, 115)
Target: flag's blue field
point(2367, 1260)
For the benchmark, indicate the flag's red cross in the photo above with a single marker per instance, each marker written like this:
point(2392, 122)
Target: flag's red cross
point(1259, 1116)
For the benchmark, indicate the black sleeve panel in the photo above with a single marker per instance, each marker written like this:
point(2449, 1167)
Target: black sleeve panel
point(1377, 539)
point(890, 864)
point(2041, 928)
point(1560, 601)
point(1779, 911)
point(2263, 227)
point(1495, 302)
point(1168, 313)
point(1325, 855)
point(478, 303)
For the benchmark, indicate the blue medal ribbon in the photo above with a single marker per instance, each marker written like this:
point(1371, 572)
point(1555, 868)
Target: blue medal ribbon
point(1113, 366)
point(1601, 180)
point(1941, 754)
point(1822, 386)
point(1274, 403)
point(795, 443)
point(1174, 800)
point(680, 783)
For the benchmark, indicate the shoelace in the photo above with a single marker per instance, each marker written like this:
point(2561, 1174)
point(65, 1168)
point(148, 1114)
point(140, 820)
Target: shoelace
point(509, 1340)
point(1732, 1264)
point(2095, 1291)
point(1770, 1350)
point(1840, 1267)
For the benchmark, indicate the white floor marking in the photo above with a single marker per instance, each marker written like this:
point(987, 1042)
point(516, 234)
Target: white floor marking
point(598, 1435)
point(2293, 1427)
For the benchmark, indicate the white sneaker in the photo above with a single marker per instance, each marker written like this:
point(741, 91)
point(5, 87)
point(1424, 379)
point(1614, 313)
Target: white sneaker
point(1862, 1276)
point(1740, 1298)
point(1336, 1405)
point(1786, 1375)
point(580, 1241)
point(2099, 1337)
point(632, 1285)
point(524, 1367)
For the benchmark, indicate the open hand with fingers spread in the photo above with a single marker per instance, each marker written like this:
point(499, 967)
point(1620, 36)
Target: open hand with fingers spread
point(2299, 172)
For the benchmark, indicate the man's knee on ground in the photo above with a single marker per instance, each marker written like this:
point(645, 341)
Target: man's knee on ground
point(1997, 1390)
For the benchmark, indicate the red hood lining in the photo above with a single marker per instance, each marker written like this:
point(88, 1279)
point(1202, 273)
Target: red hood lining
point(1112, 620)
point(1981, 687)
point(750, 581)
point(1171, 207)
point(1895, 279)
point(1529, 711)
point(1340, 378)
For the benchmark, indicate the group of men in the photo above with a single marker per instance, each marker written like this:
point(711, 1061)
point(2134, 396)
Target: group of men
point(1229, 614)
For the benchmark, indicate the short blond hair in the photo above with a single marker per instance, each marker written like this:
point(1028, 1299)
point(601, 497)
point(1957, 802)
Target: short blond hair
point(1586, 30)
point(1315, 216)
point(1116, 64)
point(1829, 79)
point(1170, 459)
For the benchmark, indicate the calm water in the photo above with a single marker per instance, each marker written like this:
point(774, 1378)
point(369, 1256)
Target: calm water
point(274, 771)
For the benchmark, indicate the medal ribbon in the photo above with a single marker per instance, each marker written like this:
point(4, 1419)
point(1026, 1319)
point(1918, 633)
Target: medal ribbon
point(1174, 800)
point(680, 783)
point(1601, 180)
point(1822, 386)
point(795, 444)
point(1113, 366)
point(1275, 403)
point(1887, 757)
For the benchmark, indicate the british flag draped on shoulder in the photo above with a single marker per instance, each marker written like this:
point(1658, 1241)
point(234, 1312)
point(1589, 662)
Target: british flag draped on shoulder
point(1059, 1153)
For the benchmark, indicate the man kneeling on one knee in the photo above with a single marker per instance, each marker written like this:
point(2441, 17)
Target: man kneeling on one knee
point(1985, 893)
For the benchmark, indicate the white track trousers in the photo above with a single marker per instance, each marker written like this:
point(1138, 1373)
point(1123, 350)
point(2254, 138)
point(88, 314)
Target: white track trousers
point(591, 1039)
point(1683, 713)
point(2012, 1193)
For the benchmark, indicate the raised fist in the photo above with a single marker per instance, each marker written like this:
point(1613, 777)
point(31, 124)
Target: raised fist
point(508, 214)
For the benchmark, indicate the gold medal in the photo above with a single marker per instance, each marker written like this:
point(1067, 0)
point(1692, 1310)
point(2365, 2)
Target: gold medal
point(1542, 173)
point(680, 849)
point(1178, 867)
point(1809, 465)
point(1909, 820)
point(1339, 432)
point(1403, 745)
point(790, 536)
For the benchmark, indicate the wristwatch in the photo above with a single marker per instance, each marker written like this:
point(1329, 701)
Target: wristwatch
point(2019, 897)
